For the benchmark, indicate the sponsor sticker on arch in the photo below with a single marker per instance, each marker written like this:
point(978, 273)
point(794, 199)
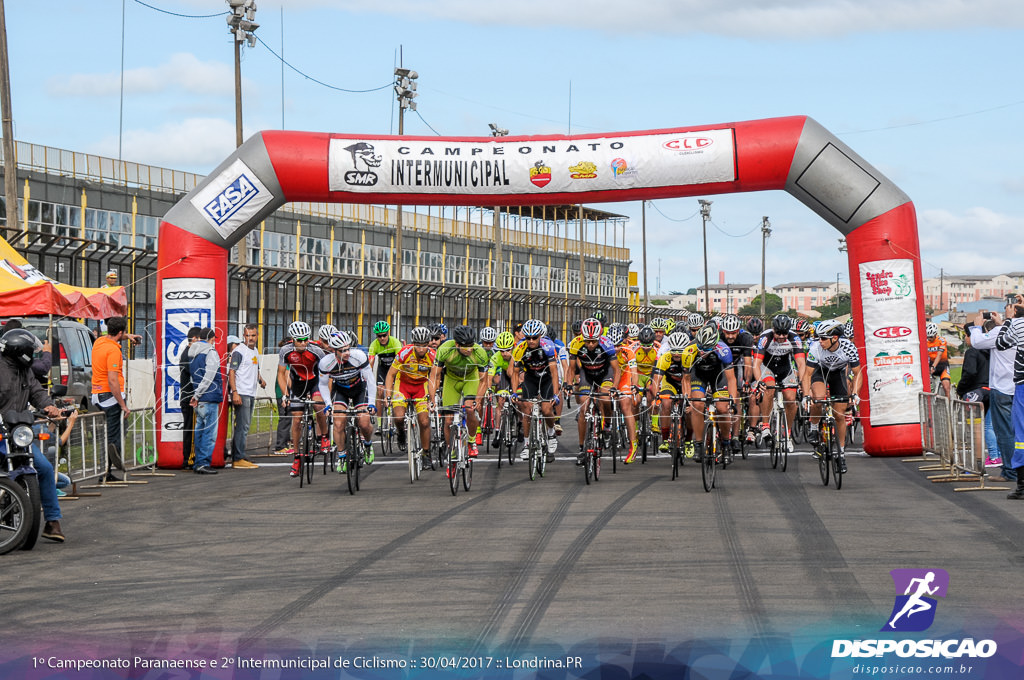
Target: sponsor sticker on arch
point(500, 165)
point(187, 303)
point(231, 198)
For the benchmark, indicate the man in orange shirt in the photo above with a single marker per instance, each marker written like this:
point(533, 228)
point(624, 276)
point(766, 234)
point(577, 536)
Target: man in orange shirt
point(108, 389)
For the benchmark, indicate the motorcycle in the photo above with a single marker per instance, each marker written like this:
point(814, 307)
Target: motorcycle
point(21, 509)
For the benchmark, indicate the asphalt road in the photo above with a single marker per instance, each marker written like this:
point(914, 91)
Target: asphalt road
point(246, 560)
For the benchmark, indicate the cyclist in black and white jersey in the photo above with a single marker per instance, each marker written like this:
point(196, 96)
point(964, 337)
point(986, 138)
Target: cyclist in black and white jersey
point(778, 362)
point(347, 377)
point(830, 359)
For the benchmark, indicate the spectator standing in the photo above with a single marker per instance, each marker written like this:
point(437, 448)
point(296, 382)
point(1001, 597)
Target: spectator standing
point(1001, 389)
point(243, 377)
point(973, 386)
point(185, 393)
point(1011, 337)
point(108, 389)
point(204, 368)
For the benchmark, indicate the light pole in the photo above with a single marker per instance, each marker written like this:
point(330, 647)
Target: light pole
point(241, 25)
point(10, 168)
point(498, 279)
point(705, 213)
point(766, 231)
point(643, 232)
point(405, 90)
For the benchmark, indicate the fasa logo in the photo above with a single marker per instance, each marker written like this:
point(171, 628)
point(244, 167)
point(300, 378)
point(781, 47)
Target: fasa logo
point(187, 295)
point(231, 199)
point(688, 143)
point(914, 608)
point(890, 332)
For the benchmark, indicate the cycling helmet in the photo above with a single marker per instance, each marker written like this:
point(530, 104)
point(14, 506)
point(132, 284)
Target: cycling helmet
point(299, 329)
point(533, 327)
point(439, 329)
point(591, 329)
point(658, 324)
point(420, 335)
point(781, 323)
point(617, 334)
point(670, 325)
point(801, 326)
point(599, 315)
point(464, 336)
point(505, 341)
point(932, 330)
point(755, 326)
point(706, 338)
point(848, 329)
point(381, 327)
point(731, 323)
point(633, 331)
point(325, 332)
point(339, 340)
point(694, 321)
point(488, 334)
point(576, 326)
point(830, 328)
point(676, 342)
point(646, 336)
point(19, 344)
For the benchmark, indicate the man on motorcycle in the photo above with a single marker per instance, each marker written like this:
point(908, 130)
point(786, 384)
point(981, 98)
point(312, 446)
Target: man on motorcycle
point(18, 388)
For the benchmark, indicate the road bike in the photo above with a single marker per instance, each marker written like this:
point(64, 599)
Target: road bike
point(828, 442)
point(536, 443)
point(618, 435)
point(714, 447)
point(488, 419)
point(593, 437)
point(387, 429)
point(352, 459)
point(778, 431)
point(435, 455)
point(458, 463)
point(507, 416)
point(308, 446)
point(412, 441)
point(645, 438)
point(676, 431)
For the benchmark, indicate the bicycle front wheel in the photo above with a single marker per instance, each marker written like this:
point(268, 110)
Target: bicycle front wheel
point(533, 445)
point(707, 463)
point(453, 465)
point(467, 475)
point(837, 468)
point(773, 443)
point(824, 451)
point(351, 471)
point(675, 444)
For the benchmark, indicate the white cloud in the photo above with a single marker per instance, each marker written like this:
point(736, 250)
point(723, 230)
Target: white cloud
point(182, 71)
point(196, 144)
point(761, 18)
point(976, 241)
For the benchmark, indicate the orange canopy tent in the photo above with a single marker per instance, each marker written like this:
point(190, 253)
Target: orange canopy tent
point(25, 291)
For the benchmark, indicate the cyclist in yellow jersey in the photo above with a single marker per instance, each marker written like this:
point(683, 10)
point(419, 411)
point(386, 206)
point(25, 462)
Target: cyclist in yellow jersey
point(667, 380)
point(406, 381)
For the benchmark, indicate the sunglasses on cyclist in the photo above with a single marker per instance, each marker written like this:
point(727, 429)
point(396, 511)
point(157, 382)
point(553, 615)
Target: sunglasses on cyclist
point(532, 337)
point(300, 339)
point(382, 335)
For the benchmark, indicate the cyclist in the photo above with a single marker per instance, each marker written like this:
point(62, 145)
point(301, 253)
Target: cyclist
point(322, 335)
point(438, 334)
point(658, 325)
point(778, 362)
point(938, 356)
point(633, 333)
point(346, 376)
point(694, 322)
point(803, 328)
point(487, 337)
point(667, 381)
point(755, 326)
point(712, 369)
point(627, 385)
point(406, 382)
point(382, 353)
point(562, 358)
point(497, 376)
point(829, 359)
point(461, 359)
point(741, 343)
point(535, 374)
point(595, 360)
point(297, 371)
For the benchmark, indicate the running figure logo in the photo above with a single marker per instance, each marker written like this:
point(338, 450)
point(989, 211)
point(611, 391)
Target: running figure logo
point(914, 609)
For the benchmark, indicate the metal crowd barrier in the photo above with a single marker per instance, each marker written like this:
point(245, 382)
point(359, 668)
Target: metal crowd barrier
point(954, 430)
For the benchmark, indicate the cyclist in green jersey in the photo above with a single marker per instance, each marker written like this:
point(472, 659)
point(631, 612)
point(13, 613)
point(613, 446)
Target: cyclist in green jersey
point(461, 360)
point(497, 376)
point(382, 353)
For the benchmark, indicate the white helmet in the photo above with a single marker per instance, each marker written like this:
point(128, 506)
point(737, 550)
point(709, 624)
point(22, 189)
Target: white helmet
point(299, 329)
point(932, 330)
point(677, 342)
point(325, 332)
point(339, 340)
point(488, 334)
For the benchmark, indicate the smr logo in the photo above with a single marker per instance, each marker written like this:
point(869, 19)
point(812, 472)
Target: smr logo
point(361, 151)
point(914, 609)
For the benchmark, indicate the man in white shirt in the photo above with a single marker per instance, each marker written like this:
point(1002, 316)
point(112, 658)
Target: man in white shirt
point(243, 377)
point(1001, 389)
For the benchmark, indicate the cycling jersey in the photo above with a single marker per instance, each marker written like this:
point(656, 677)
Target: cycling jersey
point(596, 361)
point(627, 367)
point(938, 351)
point(646, 358)
point(742, 346)
point(674, 367)
point(777, 355)
point(458, 365)
point(347, 378)
point(301, 363)
point(412, 369)
point(536, 360)
point(385, 354)
point(838, 359)
point(498, 365)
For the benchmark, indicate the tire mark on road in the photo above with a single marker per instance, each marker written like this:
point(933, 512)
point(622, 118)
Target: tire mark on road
point(535, 609)
point(331, 583)
point(749, 594)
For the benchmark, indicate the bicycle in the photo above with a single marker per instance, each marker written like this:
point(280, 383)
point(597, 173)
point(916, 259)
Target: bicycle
point(593, 439)
point(828, 442)
point(307, 448)
point(619, 437)
point(488, 417)
point(714, 454)
point(536, 445)
point(437, 444)
point(387, 430)
point(676, 431)
point(352, 459)
point(506, 429)
point(412, 442)
point(644, 428)
point(458, 461)
point(778, 430)
point(853, 426)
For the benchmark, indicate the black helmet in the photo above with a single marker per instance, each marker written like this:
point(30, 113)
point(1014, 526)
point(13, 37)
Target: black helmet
point(781, 323)
point(464, 336)
point(646, 336)
point(577, 327)
point(19, 344)
point(755, 326)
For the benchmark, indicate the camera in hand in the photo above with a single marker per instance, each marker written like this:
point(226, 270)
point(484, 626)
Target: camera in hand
point(986, 315)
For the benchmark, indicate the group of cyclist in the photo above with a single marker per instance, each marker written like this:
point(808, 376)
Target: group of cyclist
point(718, 361)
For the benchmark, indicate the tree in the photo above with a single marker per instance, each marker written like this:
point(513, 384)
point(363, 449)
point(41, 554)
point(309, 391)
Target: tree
point(691, 291)
point(836, 306)
point(773, 305)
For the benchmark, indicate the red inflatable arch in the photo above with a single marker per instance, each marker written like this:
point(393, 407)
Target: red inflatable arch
point(794, 154)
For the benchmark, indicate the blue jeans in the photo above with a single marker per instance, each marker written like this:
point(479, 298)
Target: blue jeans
point(47, 486)
point(990, 436)
point(206, 432)
point(1002, 421)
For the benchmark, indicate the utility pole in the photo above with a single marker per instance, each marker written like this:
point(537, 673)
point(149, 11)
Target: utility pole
point(10, 166)
point(705, 213)
point(941, 284)
point(766, 231)
point(405, 90)
point(241, 26)
point(643, 232)
point(498, 279)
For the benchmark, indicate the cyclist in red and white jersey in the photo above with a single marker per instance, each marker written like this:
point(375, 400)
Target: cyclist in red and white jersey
point(297, 376)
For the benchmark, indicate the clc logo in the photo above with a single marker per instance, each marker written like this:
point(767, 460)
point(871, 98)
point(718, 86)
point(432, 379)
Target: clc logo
point(688, 143)
point(892, 332)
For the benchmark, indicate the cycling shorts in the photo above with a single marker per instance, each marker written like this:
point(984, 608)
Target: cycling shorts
point(788, 379)
point(668, 387)
point(455, 391)
point(602, 379)
point(303, 389)
point(719, 385)
point(534, 386)
point(836, 380)
point(354, 397)
point(416, 393)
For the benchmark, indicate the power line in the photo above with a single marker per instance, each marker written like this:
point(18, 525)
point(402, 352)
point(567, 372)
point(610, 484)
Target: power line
point(671, 219)
point(935, 120)
point(184, 16)
point(426, 123)
point(318, 82)
point(735, 235)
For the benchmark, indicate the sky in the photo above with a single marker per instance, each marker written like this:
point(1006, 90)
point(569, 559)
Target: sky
point(927, 91)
